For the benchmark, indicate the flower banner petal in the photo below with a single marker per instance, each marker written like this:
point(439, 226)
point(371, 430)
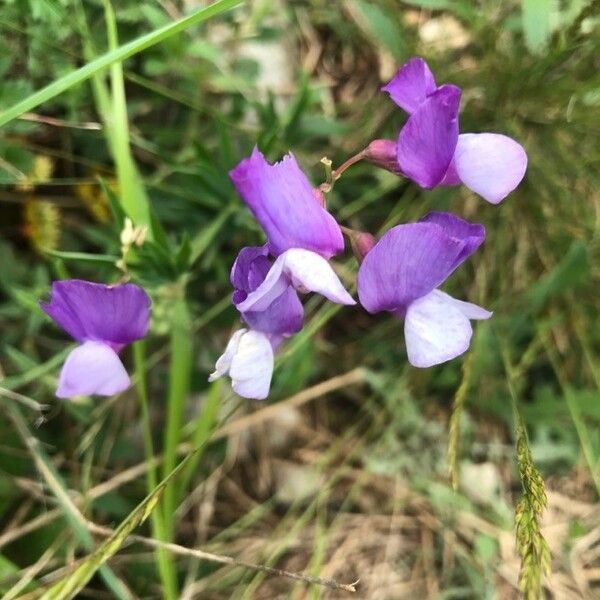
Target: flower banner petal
point(436, 330)
point(490, 164)
point(92, 368)
point(116, 314)
point(427, 141)
point(408, 262)
point(282, 200)
point(411, 85)
point(472, 234)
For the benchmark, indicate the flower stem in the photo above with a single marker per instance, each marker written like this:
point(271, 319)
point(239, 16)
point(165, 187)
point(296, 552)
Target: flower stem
point(166, 567)
point(179, 384)
point(337, 173)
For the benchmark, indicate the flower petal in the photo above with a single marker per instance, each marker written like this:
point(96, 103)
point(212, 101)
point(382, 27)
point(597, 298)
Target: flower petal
point(92, 368)
point(411, 85)
point(472, 234)
point(284, 316)
point(302, 269)
point(470, 310)
point(427, 141)
point(250, 261)
point(436, 330)
point(313, 273)
point(116, 314)
point(252, 366)
point(223, 363)
point(274, 285)
point(282, 200)
point(408, 262)
point(490, 164)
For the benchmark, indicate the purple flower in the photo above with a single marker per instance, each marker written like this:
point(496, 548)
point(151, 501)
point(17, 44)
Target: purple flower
point(429, 149)
point(401, 275)
point(103, 319)
point(282, 200)
point(301, 236)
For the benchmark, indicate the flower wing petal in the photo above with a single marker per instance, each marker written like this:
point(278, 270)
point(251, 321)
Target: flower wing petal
point(92, 368)
point(490, 164)
point(436, 330)
point(313, 273)
point(252, 366)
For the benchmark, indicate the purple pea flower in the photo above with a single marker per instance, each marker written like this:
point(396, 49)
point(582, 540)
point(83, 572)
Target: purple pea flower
point(301, 237)
point(430, 150)
point(104, 319)
point(249, 356)
point(301, 234)
point(401, 275)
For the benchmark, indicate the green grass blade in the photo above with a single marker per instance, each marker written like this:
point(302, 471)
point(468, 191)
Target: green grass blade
point(118, 55)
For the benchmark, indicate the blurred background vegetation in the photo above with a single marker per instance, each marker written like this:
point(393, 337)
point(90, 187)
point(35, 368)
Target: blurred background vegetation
point(344, 472)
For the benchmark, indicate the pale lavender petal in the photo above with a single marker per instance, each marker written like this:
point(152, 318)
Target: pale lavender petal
point(408, 262)
point(311, 272)
point(252, 366)
point(427, 141)
point(282, 200)
point(470, 310)
point(223, 363)
point(490, 164)
point(436, 330)
point(411, 85)
point(472, 234)
point(92, 368)
point(116, 314)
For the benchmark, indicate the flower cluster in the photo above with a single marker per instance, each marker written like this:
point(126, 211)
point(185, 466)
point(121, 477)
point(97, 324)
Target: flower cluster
point(400, 273)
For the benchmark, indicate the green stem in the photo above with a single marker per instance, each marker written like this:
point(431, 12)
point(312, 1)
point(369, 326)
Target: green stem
point(179, 384)
point(166, 566)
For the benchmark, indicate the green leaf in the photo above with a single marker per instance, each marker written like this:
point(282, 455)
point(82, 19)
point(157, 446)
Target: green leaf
point(84, 257)
point(118, 55)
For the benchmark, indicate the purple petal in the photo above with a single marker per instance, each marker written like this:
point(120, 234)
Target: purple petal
point(427, 141)
point(436, 330)
point(282, 200)
point(472, 234)
point(411, 85)
point(274, 285)
point(490, 164)
point(284, 316)
point(116, 314)
point(408, 262)
point(92, 368)
point(248, 267)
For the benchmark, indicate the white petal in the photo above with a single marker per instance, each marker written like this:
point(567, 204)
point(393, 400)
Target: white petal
point(490, 164)
point(252, 366)
point(470, 310)
point(92, 368)
point(223, 363)
point(312, 272)
point(436, 330)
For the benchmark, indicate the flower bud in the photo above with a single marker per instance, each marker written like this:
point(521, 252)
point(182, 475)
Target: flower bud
point(383, 153)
